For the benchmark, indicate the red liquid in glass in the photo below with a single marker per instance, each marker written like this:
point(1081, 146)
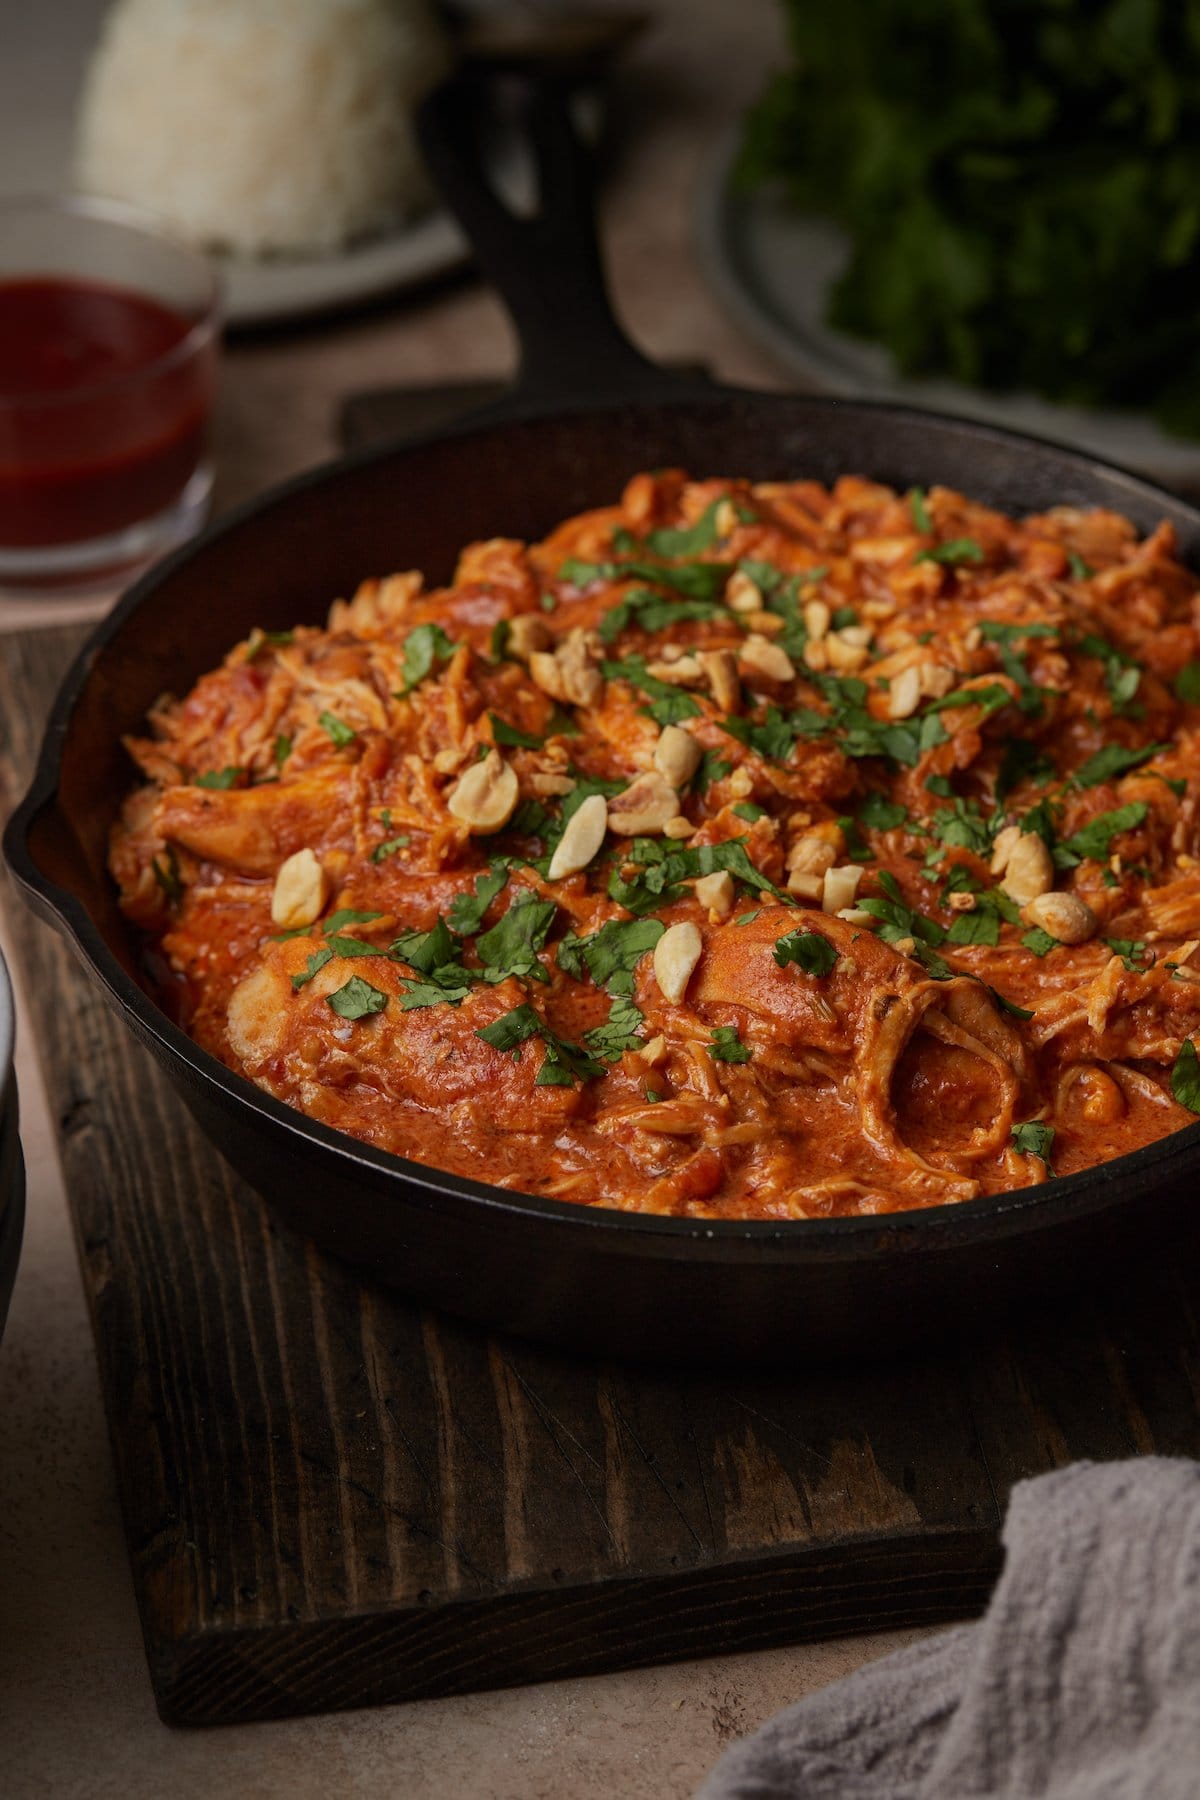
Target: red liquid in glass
point(101, 426)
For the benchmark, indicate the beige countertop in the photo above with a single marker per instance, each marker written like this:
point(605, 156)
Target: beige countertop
point(76, 1712)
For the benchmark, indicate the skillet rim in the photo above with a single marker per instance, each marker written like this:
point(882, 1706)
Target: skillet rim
point(1008, 1213)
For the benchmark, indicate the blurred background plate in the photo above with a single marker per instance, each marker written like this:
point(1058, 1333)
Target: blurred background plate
point(772, 269)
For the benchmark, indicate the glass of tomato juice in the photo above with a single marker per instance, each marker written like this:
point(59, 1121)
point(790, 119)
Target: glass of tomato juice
point(108, 350)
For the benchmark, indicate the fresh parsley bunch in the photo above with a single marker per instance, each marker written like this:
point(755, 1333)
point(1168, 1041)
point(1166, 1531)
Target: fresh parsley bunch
point(1020, 181)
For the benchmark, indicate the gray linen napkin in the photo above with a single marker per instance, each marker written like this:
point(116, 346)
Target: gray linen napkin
point(1081, 1682)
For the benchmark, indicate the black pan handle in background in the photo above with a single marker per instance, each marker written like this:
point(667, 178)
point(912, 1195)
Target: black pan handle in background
point(547, 268)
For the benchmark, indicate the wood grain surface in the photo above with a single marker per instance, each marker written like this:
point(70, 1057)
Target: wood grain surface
point(335, 1499)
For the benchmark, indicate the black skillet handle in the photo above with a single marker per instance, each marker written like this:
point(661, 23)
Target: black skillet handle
point(547, 268)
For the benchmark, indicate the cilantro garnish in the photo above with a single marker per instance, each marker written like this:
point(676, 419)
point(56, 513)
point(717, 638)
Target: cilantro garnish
point(316, 962)
point(341, 733)
point(898, 922)
point(880, 814)
point(660, 871)
point(919, 511)
point(620, 1032)
point(991, 696)
point(282, 750)
point(1132, 952)
point(498, 642)
point(952, 552)
point(727, 1046)
point(669, 705)
point(357, 999)
point(1030, 697)
point(389, 847)
point(652, 612)
point(562, 1063)
point(962, 826)
point(698, 581)
point(772, 737)
point(467, 910)
point(433, 954)
point(1112, 761)
point(346, 915)
point(1095, 838)
point(504, 733)
point(1185, 1076)
point(511, 946)
point(423, 647)
point(686, 540)
point(1023, 760)
point(259, 640)
point(218, 778)
point(1122, 675)
point(1187, 684)
point(1081, 570)
point(611, 954)
point(810, 950)
point(712, 768)
point(1039, 941)
point(1034, 1139)
point(749, 810)
point(166, 874)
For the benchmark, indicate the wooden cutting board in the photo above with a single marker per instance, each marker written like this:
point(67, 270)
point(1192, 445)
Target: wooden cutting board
point(333, 1498)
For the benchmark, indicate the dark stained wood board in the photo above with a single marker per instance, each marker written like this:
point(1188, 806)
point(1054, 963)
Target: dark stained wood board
point(333, 1498)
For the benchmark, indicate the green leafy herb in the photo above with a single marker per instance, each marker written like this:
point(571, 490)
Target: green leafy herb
point(981, 926)
point(1023, 760)
point(991, 696)
point(611, 954)
point(498, 642)
point(357, 999)
point(962, 826)
point(727, 1046)
point(1034, 1139)
point(504, 733)
point(1039, 941)
point(316, 962)
point(1081, 570)
point(660, 871)
point(346, 915)
point(261, 640)
point(1185, 1076)
point(880, 814)
point(941, 785)
point(562, 1063)
point(341, 733)
point(1111, 762)
point(467, 910)
point(282, 750)
point(686, 540)
point(698, 581)
point(669, 705)
point(511, 946)
point(389, 847)
point(748, 810)
point(772, 737)
point(1096, 836)
point(423, 647)
point(747, 918)
point(919, 511)
point(1133, 953)
point(1122, 675)
point(953, 552)
point(218, 778)
point(652, 612)
point(712, 768)
point(1187, 684)
point(810, 950)
point(621, 1031)
point(898, 921)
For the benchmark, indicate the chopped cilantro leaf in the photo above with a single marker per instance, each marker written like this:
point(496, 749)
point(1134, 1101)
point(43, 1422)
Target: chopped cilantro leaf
point(919, 511)
point(1034, 1139)
point(712, 768)
point(389, 847)
point(660, 871)
point(357, 999)
point(686, 540)
point(669, 705)
point(511, 946)
point(991, 696)
point(1039, 941)
point(1187, 684)
point(727, 1046)
point(282, 750)
point(316, 962)
point(621, 1031)
point(341, 733)
point(773, 737)
point(698, 581)
point(952, 552)
point(1081, 570)
point(1023, 760)
point(504, 733)
point(652, 612)
point(346, 915)
point(941, 785)
point(467, 910)
point(218, 778)
point(611, 954)
point(810, 950)
point(1095, 837)
point(1133, 953)
point(748, 810)
point(1185, 1076)
point(562, 1063)
point(880, 814)
point(498, 642)
point(1112, 761)
point(423, 647)
point(980, 926)
point(748, 918)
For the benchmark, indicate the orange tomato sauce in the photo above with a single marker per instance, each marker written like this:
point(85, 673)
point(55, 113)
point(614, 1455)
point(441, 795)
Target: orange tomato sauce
point(752, 851)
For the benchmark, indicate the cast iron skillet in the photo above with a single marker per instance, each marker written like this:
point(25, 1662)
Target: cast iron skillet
point(587, 412)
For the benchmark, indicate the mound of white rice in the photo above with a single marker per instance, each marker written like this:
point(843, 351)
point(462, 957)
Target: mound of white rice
point(261, 125)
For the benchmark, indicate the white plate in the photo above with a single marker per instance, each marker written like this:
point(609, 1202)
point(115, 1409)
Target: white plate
point(772, 269)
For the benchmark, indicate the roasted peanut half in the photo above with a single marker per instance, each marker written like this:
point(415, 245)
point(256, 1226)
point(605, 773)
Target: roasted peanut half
point(581, 839)
point(301, 891)
point(485, 797)
point(841, 887)
point(527, 633)
point(720, 671)
point(675, 956)
point(1065, 916)
point(644, 807)
point(759, 656)
point(716, 892)
point(1028, 868)
point(677, 755)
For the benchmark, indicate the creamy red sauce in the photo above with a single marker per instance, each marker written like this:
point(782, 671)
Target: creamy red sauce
point(888, 897)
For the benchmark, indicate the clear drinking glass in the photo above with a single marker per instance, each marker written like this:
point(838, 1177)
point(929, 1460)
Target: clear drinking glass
point(109, 332)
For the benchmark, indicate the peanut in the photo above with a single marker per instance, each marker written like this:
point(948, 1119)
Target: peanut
point(675, 956)
point(716, 892)
point(485, 797)
point(581, 839)
point(1029, 869)
point(1065, 916)
point(677, 755)
point(300, 893)
point(761, 657)
point(644, 807)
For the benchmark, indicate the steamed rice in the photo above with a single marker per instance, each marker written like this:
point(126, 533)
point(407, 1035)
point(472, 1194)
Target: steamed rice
point(261, 125)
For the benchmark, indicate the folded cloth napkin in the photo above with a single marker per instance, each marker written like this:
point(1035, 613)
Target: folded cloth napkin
point(1081, 1682)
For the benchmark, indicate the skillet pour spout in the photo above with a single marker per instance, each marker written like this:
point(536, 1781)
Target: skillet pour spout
point(589, 412)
